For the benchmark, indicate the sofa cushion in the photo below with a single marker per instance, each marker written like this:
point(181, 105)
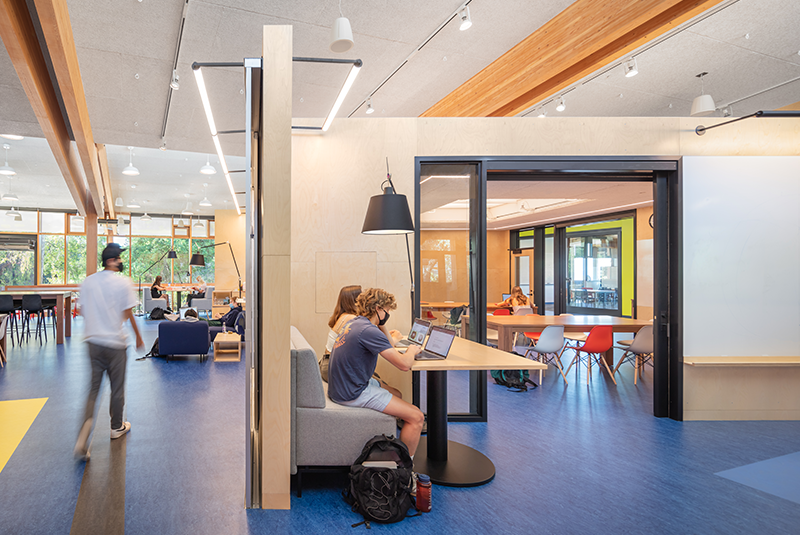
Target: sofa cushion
point(307, 388)
point(183, 338)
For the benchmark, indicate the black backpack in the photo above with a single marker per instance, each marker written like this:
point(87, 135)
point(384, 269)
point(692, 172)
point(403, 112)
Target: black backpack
point(381, 494)
point(516, 379)
point(157, 314)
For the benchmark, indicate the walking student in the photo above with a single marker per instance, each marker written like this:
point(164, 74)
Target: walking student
point(107, 301)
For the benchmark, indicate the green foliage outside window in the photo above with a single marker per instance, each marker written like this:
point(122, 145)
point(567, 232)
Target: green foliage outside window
point(17, 268)
point(76, 259)
point(146, 251)
point(207, 271)
point(51, 254)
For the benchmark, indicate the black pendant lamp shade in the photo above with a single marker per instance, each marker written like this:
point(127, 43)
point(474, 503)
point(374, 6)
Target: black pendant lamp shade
point(172, 254)
point(197, 260)
point(388, 214)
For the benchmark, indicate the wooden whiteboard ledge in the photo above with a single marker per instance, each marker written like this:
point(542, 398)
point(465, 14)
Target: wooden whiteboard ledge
point(742, 361)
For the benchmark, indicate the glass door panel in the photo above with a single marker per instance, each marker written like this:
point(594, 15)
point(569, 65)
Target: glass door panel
point(522, 271)
point(593, 273)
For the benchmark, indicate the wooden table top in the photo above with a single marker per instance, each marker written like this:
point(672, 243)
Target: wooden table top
point(42, 292)
point(468, 355)
point(570, 323)
point(227, 337)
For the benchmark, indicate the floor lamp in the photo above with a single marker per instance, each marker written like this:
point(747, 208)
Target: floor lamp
point(171, 254)
point(199, 260)
point(389, 214)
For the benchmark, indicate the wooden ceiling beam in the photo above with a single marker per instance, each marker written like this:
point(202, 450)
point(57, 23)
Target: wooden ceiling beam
point(791, 107)
point(57, 29)
point(19, 37)
point(108, 195)
point(585, 37)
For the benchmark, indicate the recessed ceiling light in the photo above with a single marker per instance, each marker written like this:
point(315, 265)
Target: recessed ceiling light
point(130, 170)
point(12, 137)
point(466, 20)
point(6, 169)
point(133, 186)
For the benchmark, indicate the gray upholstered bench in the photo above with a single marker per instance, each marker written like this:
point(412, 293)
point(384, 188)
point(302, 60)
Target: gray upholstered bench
point(325, 436)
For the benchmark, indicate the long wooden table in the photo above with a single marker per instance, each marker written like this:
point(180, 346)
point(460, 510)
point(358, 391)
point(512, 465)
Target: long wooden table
point(451, 463)
point(507, 326)
point(63, 308)
point(448, 305)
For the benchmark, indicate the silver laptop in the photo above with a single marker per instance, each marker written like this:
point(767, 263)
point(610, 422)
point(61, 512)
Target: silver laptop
point(419, 330)
point(438, 345)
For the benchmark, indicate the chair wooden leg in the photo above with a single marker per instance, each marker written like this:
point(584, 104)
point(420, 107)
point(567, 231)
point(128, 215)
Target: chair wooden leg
point(557, 364)
point(608, 368)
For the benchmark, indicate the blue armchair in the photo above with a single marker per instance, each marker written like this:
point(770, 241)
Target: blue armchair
point(183, 338)
point(238, 327)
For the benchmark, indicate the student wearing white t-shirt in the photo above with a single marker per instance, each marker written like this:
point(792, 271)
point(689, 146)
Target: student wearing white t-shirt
point(107, 301)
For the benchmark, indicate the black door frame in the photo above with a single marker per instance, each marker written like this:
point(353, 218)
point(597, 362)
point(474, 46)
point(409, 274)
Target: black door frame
point(666, 174)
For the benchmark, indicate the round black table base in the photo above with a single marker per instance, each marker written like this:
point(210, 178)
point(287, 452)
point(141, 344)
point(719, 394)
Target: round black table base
point(464, 467)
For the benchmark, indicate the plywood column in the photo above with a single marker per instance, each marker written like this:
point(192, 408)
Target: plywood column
point(90, 223)
point(275, 260)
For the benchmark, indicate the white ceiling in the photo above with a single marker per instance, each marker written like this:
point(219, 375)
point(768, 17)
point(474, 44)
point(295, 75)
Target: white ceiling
point(118, 40)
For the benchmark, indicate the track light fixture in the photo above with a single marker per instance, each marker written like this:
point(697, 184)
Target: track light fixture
point(6, 169)
point(163, 146)
point(561, 105)
point(466, 20)
point(370, 109)
point(175, 83)
point(631, 68)
point(704, 104)
point(130, 170)
point(542, 113)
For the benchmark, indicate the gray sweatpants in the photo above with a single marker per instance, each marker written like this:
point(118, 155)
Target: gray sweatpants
point(112, 361)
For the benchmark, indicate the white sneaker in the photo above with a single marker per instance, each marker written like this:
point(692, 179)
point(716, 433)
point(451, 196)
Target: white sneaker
point(81, 450)
point(116, 433)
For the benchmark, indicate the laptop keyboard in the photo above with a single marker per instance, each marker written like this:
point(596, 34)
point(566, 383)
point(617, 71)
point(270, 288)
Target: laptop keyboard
point(426, 355)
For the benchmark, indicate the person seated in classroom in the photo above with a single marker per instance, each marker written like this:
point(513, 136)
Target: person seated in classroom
point(157, 291)
point(516, 300)
point(228, 319)
point(355, 356)
point(198, 291)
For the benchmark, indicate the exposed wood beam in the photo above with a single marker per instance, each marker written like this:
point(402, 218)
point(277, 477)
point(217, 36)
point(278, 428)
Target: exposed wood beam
point(19, 36)
point(791, 107)
point(108, 195)
point(583, 38)
point(57, 30)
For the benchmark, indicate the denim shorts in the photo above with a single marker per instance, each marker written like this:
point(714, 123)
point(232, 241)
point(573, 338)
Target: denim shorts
point(373, 397)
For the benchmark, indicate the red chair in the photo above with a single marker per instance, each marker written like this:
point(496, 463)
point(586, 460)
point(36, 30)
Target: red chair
point(533, 336)
point(501, 312)
point(600, 340)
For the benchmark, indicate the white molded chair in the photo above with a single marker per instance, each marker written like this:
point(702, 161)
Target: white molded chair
point(550, 343)
point(204, 303)
point(640, 350)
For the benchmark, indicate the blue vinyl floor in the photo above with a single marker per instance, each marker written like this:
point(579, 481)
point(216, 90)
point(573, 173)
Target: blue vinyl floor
point(572, 459)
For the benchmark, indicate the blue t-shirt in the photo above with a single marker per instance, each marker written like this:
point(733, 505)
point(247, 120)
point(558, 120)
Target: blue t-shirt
point(354, 357)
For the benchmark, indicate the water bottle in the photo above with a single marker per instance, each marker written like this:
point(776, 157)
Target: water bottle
point(423, 493)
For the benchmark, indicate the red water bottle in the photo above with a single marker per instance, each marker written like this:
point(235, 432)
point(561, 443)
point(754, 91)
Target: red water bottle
point(423, 493)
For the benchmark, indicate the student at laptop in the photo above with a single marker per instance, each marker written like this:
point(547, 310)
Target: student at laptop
point(355, 356)
point(517, 299)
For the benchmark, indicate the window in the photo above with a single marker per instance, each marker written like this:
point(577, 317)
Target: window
point(51, 259)
point(27, 224)
point(207, 271)
point(51, 223)
point(157, 226)
point(17, 260)
point(145, 252)
point(76, 259)
point(180, 265)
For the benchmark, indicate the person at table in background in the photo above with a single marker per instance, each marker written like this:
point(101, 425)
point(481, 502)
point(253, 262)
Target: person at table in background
point(107, 301)
point(516, 299)
point(355, 356)
point(156, 291)
point(198, 291)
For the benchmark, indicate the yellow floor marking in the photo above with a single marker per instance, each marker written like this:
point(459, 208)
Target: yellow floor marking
point(16, 418)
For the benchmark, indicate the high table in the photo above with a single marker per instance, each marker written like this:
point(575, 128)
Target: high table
point(63, 309)
point(507, 326)
point(450, 463)
point(448, 305)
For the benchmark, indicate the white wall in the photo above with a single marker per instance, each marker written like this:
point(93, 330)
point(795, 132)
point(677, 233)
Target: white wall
point(741, 217)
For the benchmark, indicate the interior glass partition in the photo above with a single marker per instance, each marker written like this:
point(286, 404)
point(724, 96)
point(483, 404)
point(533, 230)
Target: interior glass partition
point(593, 272)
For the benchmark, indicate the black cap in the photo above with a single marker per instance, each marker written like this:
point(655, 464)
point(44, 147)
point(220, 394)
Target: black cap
point(112, 250)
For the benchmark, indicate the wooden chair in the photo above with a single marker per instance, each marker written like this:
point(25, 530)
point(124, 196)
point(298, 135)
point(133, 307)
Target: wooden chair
point(600, 340)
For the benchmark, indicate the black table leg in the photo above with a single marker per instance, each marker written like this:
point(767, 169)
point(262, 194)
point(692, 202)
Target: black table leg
point(448, 463)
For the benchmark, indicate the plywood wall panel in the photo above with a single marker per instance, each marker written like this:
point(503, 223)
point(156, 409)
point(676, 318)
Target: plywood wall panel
point(751, 137)
point(230, 227)
point(342, 268)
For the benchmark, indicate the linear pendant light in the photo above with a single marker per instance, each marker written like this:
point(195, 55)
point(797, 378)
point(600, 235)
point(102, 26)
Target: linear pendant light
point(348, 83)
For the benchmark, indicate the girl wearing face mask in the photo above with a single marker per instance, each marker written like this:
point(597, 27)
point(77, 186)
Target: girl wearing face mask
point(355, 356)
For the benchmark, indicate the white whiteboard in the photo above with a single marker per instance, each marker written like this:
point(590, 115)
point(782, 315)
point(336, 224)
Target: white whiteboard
point(741, 255)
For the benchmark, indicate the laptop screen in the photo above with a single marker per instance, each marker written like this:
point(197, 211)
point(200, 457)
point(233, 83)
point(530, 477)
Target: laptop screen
point(419, 331)
point(440, 341)
point(505, 296)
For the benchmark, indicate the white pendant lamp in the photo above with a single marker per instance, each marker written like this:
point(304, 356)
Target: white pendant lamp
point(341, 34)
point(130, 170)
point(10, 197)
point(145, 217)
point(119, 202)
point(13, 213)
point(208, 169)
point(466, 20)
point(205, 202)
point(6, 169)
point(188, 209)
point(704, 104)
point(198, 225)
point(133, 204)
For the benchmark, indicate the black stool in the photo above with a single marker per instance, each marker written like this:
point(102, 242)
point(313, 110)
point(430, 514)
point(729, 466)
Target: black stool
point(32, 304)
point(7, 307)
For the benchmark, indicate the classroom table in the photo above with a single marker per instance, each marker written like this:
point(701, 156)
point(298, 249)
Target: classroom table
point(448, 305)
point(450, 463)
point(507, 326)
point(63, 308)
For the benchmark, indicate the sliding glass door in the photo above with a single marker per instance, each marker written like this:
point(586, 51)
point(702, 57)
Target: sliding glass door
point(594, 273)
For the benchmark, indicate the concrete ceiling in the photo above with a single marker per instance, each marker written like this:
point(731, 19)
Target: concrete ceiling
point(126, 47)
